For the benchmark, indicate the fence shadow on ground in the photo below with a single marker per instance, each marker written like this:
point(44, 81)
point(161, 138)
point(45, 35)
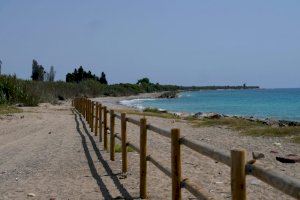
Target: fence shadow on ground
point(92, 167)
point(125, 194)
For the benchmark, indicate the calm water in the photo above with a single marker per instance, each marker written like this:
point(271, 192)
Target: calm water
point(262, 103)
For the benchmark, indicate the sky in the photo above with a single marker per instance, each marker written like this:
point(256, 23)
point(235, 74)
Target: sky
point(187, 42)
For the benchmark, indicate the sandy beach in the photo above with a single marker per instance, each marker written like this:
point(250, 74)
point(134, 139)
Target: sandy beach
point(50, 152)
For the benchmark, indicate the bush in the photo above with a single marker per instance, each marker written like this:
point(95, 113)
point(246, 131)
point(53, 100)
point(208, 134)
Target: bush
point(13, 90)
point(30, 93)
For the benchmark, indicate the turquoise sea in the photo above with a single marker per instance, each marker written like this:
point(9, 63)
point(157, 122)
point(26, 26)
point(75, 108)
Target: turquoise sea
point(260, 103)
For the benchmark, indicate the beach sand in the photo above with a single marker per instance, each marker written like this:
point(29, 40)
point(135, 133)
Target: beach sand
point(49, 151)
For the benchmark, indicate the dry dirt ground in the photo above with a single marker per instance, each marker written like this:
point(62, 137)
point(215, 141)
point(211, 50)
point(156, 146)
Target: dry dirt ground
point(49, 151)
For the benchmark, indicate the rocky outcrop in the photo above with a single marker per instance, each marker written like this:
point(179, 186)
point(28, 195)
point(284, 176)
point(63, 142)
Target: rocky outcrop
point(169, 95)
point(210, 115)
point(272, 122)
point(288, 123)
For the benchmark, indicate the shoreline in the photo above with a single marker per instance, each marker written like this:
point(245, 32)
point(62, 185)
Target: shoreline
point(117, 102)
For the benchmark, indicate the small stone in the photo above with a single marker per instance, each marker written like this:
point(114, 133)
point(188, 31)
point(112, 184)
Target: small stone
point(31, 195)
point(254, 182)
point(257, 155)
point(49, 132)
point(219, 182)
point(277, 144)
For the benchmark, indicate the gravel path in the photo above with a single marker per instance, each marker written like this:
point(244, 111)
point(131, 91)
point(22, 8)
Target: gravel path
point(48, 152)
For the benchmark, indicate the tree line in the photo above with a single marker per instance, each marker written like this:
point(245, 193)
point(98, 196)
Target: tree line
point(81, 75)
point(78, 75)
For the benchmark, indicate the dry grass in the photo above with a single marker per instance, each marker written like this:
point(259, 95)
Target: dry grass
point(252, 128)
point(5, 109)
point(234, 123)
point(150, 113)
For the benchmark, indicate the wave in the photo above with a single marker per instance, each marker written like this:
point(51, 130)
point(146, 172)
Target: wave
point(135, 103)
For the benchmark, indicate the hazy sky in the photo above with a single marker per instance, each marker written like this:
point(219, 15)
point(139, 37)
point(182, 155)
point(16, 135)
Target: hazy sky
point(187, 42)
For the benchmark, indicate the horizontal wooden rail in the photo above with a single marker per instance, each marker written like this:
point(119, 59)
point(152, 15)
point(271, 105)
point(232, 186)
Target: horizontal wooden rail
point(134, 121)
point(207, 150)
point(133, 147)
point(159, 131)
point(198, 192)
point(118, 116)
point(159, 166)
point(286, 184)
point(117, 135)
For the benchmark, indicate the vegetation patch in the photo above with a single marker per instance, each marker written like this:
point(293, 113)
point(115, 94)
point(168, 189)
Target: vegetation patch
point(150, 113)
point(30, 93)
point(251, 127)
point(5, 109)
point(154, 110)
point(234, 123)
point(118, 148)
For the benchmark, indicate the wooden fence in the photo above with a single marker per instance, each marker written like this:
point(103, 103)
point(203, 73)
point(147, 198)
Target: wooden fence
point(96, 116)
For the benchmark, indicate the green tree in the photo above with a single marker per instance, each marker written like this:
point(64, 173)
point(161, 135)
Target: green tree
point(80, 75)
point(143, 81)
point(38, 71)
point(102, 79)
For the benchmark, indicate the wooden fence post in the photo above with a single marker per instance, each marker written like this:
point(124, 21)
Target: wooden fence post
point(143, 158)
point(124, 141)
point(85, 108)
point(105, 127)
point(92, 116)
point(80, 105)
point(96, 119)
point(85, 105)
point(89, 112)
point(238, 174)
point(176, 164)
point(100, 123)
point(112, 135)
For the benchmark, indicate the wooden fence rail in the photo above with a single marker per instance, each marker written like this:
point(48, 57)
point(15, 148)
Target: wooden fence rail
point(96, 116)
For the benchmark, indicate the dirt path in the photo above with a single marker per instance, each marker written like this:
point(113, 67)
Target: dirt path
point(49, 151)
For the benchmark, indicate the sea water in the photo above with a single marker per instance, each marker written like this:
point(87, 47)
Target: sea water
point(260, 103)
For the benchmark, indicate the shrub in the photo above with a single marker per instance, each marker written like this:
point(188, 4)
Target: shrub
point(13, 90)
point(30, 93)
